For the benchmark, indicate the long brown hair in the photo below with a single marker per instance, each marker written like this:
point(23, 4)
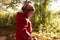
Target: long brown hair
point(27, 7)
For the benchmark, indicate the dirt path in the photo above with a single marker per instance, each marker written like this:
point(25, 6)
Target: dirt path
point(2, 38)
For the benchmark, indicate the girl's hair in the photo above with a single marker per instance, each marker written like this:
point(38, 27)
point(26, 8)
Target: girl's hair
point(27, 7)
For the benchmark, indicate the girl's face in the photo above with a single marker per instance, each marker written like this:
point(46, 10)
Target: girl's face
point(30, 14)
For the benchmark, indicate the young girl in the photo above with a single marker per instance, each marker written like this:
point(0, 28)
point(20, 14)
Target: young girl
point(23, 24)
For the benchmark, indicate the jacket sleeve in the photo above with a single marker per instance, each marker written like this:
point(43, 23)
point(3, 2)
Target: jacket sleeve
point(24, 24)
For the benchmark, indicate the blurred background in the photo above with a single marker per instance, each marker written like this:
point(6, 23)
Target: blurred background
point(46, 19)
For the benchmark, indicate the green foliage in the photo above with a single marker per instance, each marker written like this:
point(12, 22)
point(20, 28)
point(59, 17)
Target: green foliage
point(44, 20)
point(41, 14)
point(7, 20)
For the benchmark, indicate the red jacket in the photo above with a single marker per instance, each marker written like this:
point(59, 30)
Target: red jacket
point(23, 27)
